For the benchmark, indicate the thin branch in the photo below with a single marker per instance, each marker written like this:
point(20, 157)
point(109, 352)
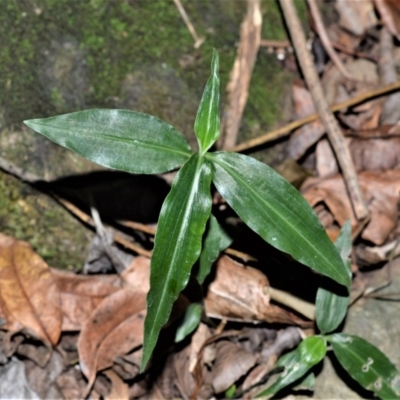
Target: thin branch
point(293, 302)
point(198, 41)
point(334, 133)
point(285, 130)
point(320, 28)
point(240, 76)
point(275, 43)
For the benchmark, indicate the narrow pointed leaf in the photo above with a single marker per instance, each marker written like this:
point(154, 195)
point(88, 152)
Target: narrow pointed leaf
point(207, 122)
point(274, 209)
point(190, 321)
point(215, 241)
point(367, 365)
point(296, 363)
point(332, 302)
point(119, 139)
point(177, 246)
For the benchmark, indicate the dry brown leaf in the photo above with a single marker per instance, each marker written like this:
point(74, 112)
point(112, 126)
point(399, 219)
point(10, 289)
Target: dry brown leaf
point(81, 294)
point(389, 11)
point(119, 389)
point(232, 362)
point(137, 275)
point(71, 384)
point(30, 298)
point(303, 138)
point(356, 16)
point(238, 293)
point(381, 193)
point(198, 339)
point(375, 154)
point(114, 328)
point(368, 155)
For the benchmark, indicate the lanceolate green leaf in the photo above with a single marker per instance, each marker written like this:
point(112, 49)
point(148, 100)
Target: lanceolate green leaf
point(177, 245)
point(190, 321)
point(207, 122)
point(215, 241)
point(367, 365)
point(296, 363)
point(332, 301)
point(119, 139)
point(274, 209)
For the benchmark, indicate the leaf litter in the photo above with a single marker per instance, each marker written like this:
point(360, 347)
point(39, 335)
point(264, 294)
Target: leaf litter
point(65, 335)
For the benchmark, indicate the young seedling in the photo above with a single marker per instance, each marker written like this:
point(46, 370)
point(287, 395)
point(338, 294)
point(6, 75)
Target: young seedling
point(267, 203)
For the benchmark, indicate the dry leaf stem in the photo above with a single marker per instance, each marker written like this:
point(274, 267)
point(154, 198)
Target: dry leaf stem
point(240, 77)
point(333, 130)
point(198, 41)
point(293, 302)
point(323, 35)
point(285, 130)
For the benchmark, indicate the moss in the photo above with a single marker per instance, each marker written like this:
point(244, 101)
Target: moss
point(33, 217)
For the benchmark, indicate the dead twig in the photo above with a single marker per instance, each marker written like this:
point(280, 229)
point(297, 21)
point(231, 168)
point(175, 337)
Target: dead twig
point(279, 44)
point(152, 231)
point(198, 41)
point(118, 238)
point(240, 77)
point(285, 130)
point(334, 133)
point(293, 302)
point(320, 28)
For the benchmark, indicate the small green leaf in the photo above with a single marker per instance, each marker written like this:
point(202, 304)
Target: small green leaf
point(177, 245)
point(343, 243)
point(367, 365)
point(308, 383)
point(274, 209)
point(207, 122)
point(230, 392)
point(296, 363)
point(119, 139)
point(190, 321)
point(215, 241)
point(332, 301)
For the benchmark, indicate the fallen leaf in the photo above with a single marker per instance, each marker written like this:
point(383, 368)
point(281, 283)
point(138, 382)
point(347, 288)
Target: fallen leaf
point(81, 294)
point(30, 298)
point(304, 137)
point(381, 193)
point(389, 11)
point(231, 363)
point(137, 275)
point(356, 16)
point(238, 294)
point(114, 328)
point(119, 389)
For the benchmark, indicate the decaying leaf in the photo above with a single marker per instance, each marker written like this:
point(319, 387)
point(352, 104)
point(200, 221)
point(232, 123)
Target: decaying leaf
point(356, 16)
point(232, 362)
point(114, 328)
point(307, 135)
point(81, 294)
point(29, 295)
point(238, 293)
point(381, 193)
point(389, 11)
point(137, 275)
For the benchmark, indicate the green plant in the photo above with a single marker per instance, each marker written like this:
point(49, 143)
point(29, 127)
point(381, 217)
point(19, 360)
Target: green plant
point(269, 205)
point(364, 362)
